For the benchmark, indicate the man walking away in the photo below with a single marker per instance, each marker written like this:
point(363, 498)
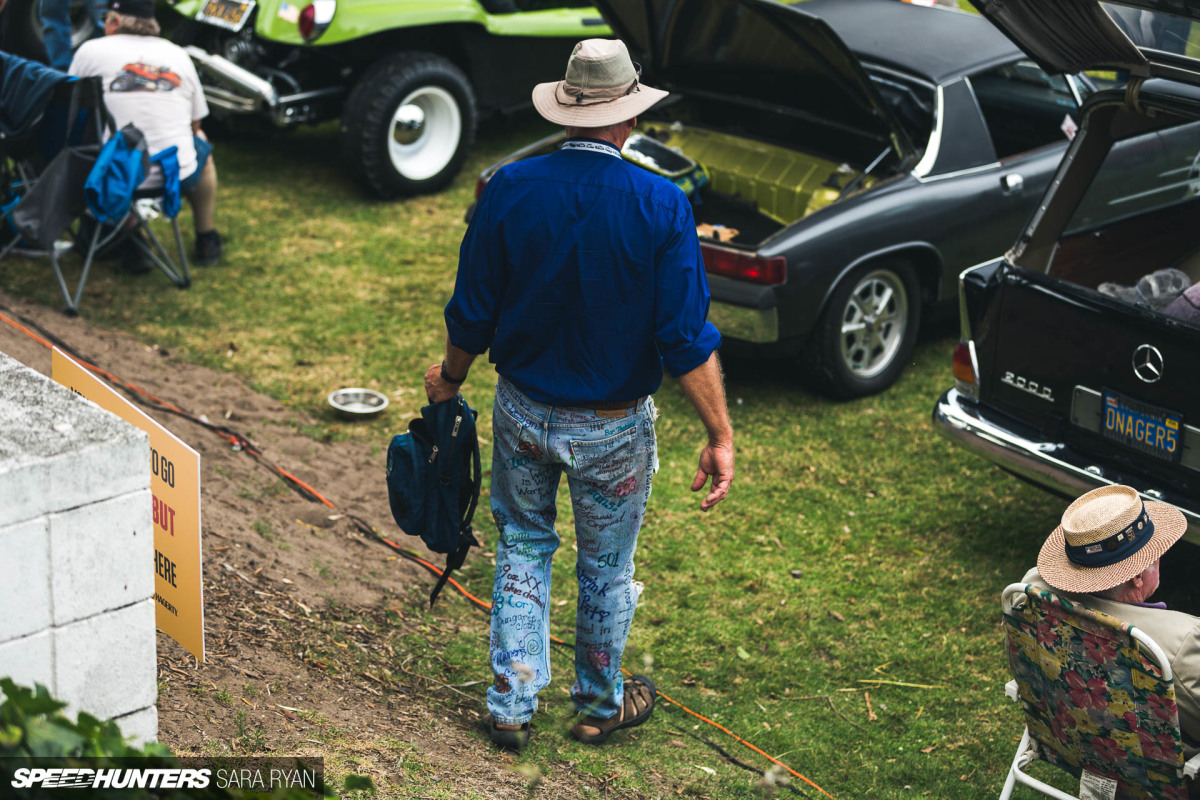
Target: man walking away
point(581, 275)
point(151, 82)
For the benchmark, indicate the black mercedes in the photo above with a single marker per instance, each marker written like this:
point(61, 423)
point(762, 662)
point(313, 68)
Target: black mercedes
point(1079, 364)
point(846, 160)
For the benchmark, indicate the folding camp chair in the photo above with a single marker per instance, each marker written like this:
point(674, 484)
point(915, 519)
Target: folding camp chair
point(46, 163)
point(164, 200)
point(46, 190)
point(1098, 698)
point(34, 101)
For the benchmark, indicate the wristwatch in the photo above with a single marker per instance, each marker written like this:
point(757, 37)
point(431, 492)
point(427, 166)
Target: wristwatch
point(446, 376)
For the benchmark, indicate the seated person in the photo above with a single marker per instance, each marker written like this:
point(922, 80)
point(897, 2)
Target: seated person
point(1105, 555)
point(151, 82)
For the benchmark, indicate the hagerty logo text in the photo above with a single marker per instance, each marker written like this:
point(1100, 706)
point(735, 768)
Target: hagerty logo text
point(163, 778)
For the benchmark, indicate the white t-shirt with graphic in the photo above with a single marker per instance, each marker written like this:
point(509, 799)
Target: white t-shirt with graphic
point(150, 82)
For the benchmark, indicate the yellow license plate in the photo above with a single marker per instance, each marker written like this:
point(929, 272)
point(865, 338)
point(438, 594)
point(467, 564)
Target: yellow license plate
point(1150, 429)
point(231, 14)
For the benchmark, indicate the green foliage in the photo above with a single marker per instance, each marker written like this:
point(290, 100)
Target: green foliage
point(34, 734)
point(31, 727)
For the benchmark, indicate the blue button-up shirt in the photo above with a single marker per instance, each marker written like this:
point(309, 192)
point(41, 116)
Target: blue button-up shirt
point(582, 275)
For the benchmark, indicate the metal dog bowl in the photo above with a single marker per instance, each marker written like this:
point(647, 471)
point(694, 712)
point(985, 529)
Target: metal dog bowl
point(358, 403)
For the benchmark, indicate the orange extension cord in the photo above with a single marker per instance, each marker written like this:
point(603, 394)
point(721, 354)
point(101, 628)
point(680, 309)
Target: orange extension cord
point(310, 493)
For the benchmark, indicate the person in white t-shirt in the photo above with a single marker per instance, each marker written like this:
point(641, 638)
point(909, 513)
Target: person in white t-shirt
point(151, 82)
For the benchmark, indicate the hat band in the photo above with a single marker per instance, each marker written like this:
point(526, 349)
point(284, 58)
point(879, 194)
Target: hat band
point(1115, 548)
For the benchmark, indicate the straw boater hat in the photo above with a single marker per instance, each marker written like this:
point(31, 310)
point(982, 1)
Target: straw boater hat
point(602, 87)
point(1107, 536)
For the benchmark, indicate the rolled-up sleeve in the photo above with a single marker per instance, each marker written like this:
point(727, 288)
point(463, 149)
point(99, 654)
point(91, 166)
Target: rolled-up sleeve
point(684, 336)
point(472, 312)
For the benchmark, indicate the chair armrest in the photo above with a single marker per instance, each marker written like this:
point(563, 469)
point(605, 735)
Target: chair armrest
point(1191, 766)
point(1010, 690)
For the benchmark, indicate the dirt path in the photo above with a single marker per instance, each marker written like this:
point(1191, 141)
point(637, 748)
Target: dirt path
point(306, 618)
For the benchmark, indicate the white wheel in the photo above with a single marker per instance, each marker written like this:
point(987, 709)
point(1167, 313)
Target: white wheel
point(424, 133)
point(408, 124)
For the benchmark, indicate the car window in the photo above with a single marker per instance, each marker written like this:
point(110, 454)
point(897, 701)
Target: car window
point(1142, 174)
point(1157, 30)
point(1024, 108)
point(911, 104)
point(1132, 236)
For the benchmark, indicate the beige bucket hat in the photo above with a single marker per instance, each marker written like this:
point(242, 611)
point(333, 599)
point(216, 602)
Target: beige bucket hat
point(602, 87)
point(1107, 536)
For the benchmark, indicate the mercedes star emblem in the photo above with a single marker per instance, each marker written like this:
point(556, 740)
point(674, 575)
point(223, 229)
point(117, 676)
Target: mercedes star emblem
point(1147, 363)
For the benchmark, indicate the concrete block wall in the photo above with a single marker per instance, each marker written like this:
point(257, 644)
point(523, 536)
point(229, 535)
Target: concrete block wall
point(76, 552)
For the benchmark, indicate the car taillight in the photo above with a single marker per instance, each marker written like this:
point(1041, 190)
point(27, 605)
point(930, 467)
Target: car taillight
point(744, 266)
point(964, 370)
point(315, 18)
point(308, 21)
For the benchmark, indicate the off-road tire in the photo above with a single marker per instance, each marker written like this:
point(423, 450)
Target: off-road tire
point(824, 360)
point(368, 115)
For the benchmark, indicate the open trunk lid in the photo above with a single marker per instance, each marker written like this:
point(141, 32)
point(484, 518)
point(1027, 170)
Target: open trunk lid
point(1138, 36)
point(758, 52)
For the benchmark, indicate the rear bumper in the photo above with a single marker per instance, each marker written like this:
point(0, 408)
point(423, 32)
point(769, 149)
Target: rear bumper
point(1052, 465)
point(743, 311)
point(754, 325)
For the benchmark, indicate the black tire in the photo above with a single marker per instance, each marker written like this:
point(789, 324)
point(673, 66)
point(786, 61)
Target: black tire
point(846, 361)
point(371, 144)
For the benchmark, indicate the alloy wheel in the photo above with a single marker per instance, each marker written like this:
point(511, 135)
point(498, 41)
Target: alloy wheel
point(873, 323)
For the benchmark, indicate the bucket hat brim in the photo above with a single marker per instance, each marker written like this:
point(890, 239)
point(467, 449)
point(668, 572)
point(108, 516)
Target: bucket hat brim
point(595, 115)
point(1062, 574)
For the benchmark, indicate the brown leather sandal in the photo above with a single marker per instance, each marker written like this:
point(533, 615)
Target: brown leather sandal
point(508, 739)
point(636, 708)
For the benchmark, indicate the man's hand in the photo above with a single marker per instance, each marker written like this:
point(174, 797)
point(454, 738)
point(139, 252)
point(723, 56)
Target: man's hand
point(715, 461)
point(704, 387)
point(436, 389)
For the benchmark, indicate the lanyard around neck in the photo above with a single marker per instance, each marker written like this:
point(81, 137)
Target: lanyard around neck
point(576, 144)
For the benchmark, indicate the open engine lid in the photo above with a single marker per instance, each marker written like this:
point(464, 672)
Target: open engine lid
point(755, 51)
point(1147, 38)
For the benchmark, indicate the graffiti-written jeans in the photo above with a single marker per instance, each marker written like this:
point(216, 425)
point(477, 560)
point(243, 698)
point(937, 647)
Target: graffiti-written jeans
point(609, 458)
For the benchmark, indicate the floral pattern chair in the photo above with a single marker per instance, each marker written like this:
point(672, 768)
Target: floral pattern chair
point(1098, 697)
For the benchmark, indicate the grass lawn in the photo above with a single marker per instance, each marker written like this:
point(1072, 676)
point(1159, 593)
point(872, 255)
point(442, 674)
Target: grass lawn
point(856, 547)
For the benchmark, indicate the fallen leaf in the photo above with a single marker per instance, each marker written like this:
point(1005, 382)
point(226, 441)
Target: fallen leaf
point(837, 616)
point(742, 654)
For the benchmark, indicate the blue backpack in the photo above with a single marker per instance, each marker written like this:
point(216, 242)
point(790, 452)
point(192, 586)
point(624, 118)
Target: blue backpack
point(433, 480)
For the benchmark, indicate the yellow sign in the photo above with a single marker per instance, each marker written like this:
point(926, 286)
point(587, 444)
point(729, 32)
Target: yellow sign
point(175, 499)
